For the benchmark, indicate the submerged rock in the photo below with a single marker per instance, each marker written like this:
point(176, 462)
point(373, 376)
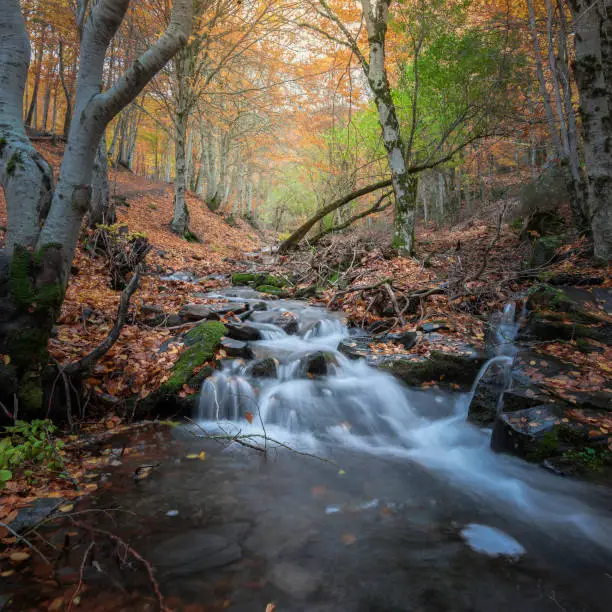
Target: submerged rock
point(194, 552)
point(294, 580)
point(286, 320)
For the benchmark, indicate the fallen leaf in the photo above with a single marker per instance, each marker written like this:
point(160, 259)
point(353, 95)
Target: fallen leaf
point(249, 416)
point(19, 556)
point(349, 538)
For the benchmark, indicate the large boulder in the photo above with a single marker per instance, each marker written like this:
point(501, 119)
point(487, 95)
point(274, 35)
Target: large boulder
point(564, 313)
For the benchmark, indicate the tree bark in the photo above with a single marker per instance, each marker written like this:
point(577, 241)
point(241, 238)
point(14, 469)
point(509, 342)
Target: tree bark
point(593, 70)
point(101, 212)
point(376, 16)
point(180, 219)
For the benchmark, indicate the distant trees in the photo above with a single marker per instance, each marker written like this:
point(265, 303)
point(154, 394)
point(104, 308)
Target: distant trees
point(450, 88)
point(44, 220)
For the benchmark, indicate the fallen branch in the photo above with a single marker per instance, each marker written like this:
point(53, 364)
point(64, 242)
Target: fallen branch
point(395, 304)
point(293, 240)
point(370, 211)
point(92, 358)
point(129, 550)
point(363, 288)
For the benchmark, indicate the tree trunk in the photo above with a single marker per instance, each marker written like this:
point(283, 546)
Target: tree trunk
point(180, 220)
point(101, 211)
point(593, 70)
point(40, 246)
point(404, 184)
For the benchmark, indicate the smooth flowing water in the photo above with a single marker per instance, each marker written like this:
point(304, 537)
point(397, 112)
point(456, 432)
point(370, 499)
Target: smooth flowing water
point(407, 455)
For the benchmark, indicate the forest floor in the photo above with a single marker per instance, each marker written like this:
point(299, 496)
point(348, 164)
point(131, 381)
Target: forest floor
point(477, 267)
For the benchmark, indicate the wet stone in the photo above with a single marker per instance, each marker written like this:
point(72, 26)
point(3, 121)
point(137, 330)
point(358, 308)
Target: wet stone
point(520, 433)
point(317, 364)
point(243, 332)
point(264, 368)
point(236, 348)
point(287, 321)
point(407, 339)
point(193, 552)
point(196, 312)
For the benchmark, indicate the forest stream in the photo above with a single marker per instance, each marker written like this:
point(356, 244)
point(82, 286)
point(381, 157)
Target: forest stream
point(397, 504)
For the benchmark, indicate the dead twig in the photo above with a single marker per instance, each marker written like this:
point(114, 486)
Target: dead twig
point(25, 541)
point(90, 360)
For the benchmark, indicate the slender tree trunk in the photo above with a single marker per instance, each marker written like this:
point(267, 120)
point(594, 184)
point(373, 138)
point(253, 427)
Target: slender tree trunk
point(180, 220)
point(101, 211)
point(593, 70)
point(376, 16)
point(38, 70)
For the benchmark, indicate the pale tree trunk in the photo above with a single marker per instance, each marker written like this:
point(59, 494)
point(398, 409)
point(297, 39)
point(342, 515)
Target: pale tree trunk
point(40, 247)
point(593, 70)
point(376, 14)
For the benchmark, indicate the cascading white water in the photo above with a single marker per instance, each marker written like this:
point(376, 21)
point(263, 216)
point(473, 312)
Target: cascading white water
point(359, 407)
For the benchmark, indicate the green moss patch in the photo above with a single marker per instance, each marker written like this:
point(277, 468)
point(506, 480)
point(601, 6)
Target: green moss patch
point(270, 289)
point(201, 344)
point(258, 279)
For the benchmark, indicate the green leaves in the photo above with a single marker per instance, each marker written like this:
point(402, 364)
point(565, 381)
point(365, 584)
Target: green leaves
point(26, 445)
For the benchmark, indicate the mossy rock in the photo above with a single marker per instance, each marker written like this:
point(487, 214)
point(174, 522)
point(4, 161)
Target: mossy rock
point(544, 250)
point(243, 278)
point(201, 344)
point(271, 290)
point(254, 279)
point(443, 368)
point(545, 297)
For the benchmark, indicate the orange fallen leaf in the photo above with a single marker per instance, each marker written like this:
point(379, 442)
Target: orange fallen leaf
point(249, 416)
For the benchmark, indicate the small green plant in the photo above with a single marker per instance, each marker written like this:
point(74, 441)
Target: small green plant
point(152, 206)
point(28, 445)
point(587, 458)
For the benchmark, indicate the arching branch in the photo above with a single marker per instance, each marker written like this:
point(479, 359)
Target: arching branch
point(370, 211)
point(295, 238)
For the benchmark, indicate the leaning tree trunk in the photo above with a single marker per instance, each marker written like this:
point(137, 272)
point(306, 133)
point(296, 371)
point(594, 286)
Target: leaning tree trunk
point(41, 241)
point(180, 220)
point(593, 70)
